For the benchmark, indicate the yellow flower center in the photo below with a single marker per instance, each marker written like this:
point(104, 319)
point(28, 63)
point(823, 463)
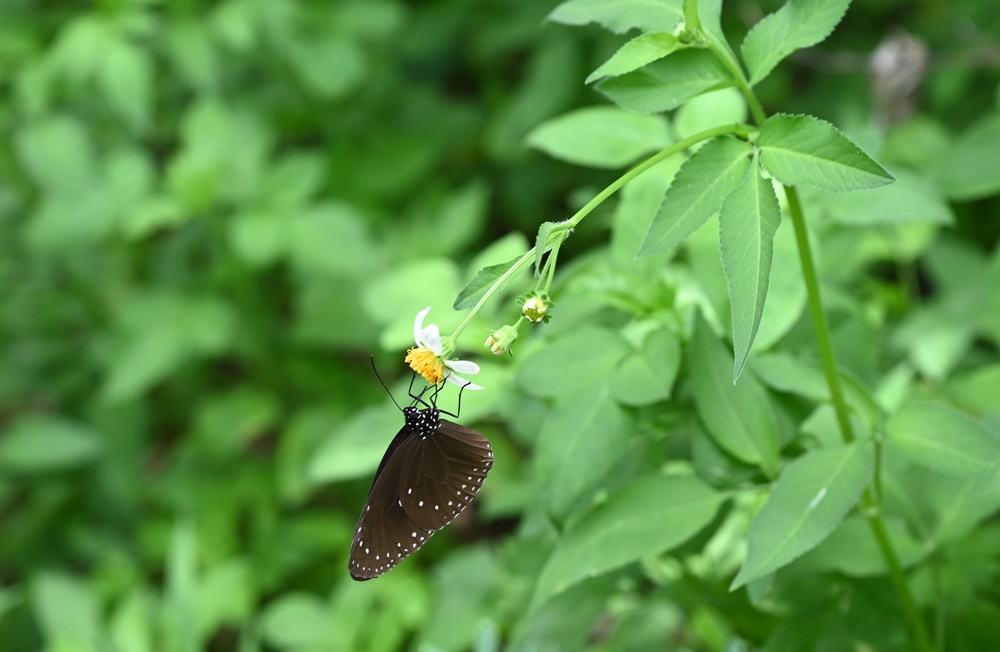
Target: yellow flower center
point(425, 363)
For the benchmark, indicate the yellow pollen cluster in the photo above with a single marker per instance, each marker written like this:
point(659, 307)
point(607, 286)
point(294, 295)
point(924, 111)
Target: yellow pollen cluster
point(425, 363)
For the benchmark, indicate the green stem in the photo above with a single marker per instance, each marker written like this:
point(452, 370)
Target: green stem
point(615, 186)
point(742, 83)
point(820, 324)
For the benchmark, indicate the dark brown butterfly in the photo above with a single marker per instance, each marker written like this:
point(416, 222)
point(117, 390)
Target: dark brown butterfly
point(431, 471)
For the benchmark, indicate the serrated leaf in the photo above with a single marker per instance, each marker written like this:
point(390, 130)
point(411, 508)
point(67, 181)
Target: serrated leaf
point(798, 24)
point(484, 279)
point(666, 84)
point(697, 193)
point(748, 220)
point(944, 439)
point(738, 417)
point(621, 15)
point(643, 49)
point(803, 150)
point(600, 136)
point(812, 496)
point(645, 517)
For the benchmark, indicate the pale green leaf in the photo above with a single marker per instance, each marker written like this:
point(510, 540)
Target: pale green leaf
point(697, 193)
point(582, 439)
point(67, 610)
point(739, 417)
point(355, 448)
point(944, 439)
point(910, 199)
point(559, 369)
point(621, 15)
point(748, 220)
point(600, 136)
point(853, 550)
point(298, 621)
point(967, 170)
point(668, 83)
point(647, 375)
point(812, 496)
point(646, 517)
point(803, 150)
point(643, 49)
point(40, 443)
point(798, 24)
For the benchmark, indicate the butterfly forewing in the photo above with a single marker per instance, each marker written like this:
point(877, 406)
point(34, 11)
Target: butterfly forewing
point(431, 471)
point(436, 486)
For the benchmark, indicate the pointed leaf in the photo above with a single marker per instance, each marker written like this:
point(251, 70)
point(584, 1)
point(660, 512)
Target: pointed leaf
point(485, 278)
point(647, 375)
point(803, 150)
point(600, 136)
point(646, 517)
point(944, 439)
point(666, 84)
point(798, 24)
point(697, 192)
point(811, 497)
point(643, 49)
point(739, 417)
point(621, 15)
point(749, 218)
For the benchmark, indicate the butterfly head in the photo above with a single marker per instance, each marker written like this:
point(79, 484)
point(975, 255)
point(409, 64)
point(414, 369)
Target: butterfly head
point(425, 422)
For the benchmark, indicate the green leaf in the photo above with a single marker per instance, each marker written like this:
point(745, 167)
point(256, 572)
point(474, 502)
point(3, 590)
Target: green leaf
point(37, 444)
point(803, 150)
point(853, 550)
point(600, 136)
point(57, 154)
point(540, 243)
point(647, 375)
point(643, 49)
point(911, 199)
point(67, 611)
point(708, 110)
point(697, 193)
point(812, 496)
point(748, 220)
point(798, 24)
point(668, 83)
point(944, 439)
point(559, 369)
point(739, 417)
point(583, 438)
point(967, 170)
point(126, 78)
point(484, 280)
point(298, 621)
point(621, 15)
point(310, 233)
point(646, 517)
point(355, 449)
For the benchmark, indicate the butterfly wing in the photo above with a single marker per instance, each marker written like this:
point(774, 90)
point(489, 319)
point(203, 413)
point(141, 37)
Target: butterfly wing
point(445, 475)
point(385, 535)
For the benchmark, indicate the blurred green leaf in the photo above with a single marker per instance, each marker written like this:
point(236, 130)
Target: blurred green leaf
point(560, 370)
point(298, 621)
point(798, 24)
point(812, 496)
point(944, 439)
point(40, 443)
point(56, 151)
point(708, 110)
point(354, 449)
point(853, 550)
point(668, 83)
point(739, 416)
point(909, 199)
point(67, 611)
point(600, 136)
point(648, 516)
point(650, 16)
point(803, 150)
point(126, 79)
point(647, 375)
point(965, 171)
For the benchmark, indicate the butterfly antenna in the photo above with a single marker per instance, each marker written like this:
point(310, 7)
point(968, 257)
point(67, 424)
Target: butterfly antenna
point(383, 384)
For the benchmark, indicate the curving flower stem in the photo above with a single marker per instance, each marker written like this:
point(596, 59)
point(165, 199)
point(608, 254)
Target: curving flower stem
point(616, 185)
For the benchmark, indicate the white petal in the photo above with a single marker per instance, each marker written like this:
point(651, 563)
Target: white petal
point(418, 325)
point(432, 339)
point(462, 366)
point(461, 382)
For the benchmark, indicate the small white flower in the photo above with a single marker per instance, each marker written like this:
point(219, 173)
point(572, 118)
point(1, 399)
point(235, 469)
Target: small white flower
point(427, 358)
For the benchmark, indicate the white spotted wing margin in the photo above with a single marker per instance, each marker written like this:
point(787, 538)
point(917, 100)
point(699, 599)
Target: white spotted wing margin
point(430, 473)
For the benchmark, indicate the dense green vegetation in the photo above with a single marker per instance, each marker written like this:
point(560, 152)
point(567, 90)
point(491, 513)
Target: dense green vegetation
point(214, 213)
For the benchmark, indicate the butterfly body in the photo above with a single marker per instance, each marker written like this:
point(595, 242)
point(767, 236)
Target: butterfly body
point(430, 473)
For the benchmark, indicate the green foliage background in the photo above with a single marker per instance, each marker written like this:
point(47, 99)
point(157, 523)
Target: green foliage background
point(211, 213)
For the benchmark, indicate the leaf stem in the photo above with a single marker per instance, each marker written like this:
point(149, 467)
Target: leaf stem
point(615, 186)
